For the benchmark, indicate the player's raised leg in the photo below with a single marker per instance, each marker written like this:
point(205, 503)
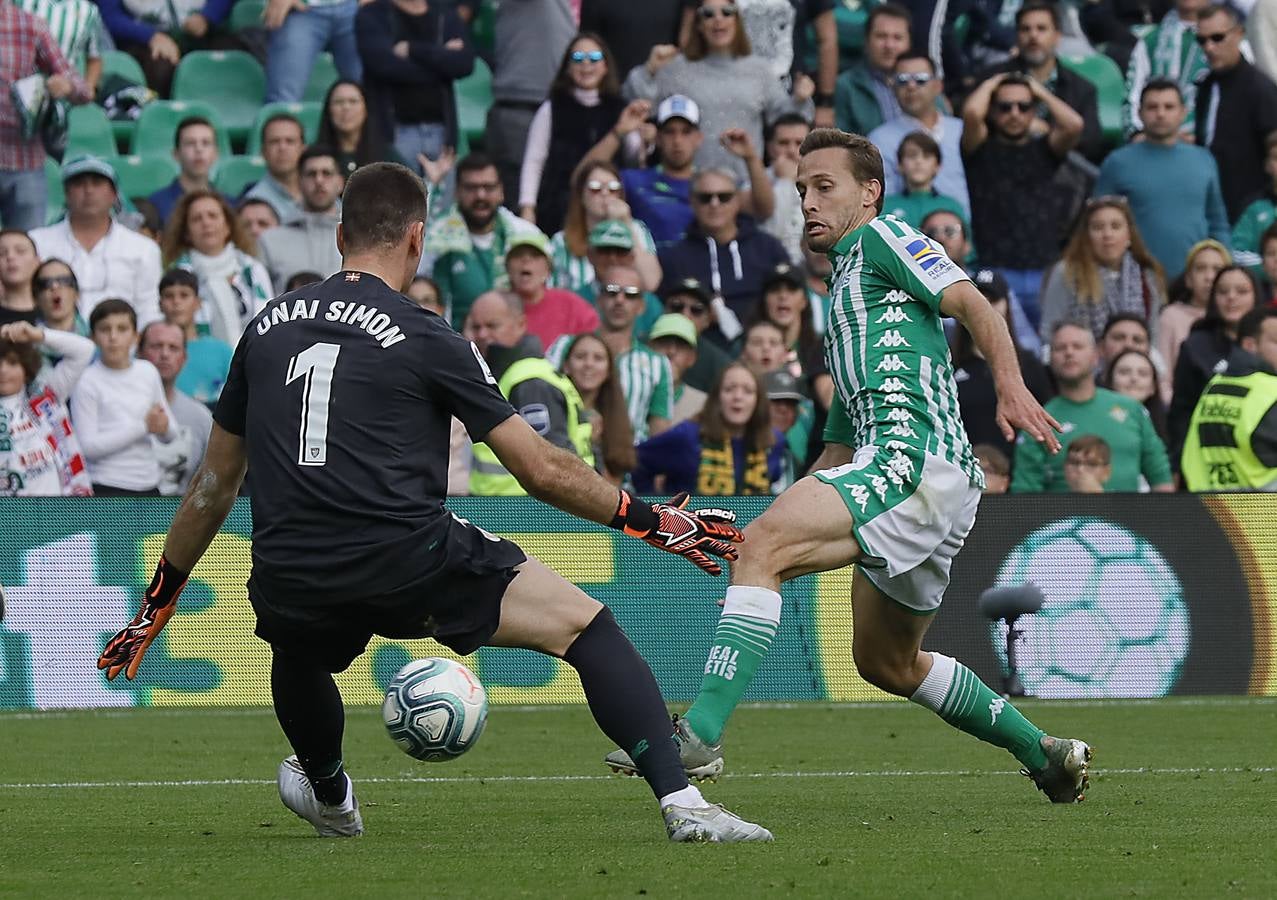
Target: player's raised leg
point(543, 611)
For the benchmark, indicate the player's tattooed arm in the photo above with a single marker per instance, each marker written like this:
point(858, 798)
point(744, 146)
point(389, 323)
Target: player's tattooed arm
point(208, 500)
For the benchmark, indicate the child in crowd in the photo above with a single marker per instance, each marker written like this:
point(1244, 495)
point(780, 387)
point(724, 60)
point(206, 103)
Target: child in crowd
point(1259, 216)
point(208, 359)
point(1088, 465)
point(920, 159)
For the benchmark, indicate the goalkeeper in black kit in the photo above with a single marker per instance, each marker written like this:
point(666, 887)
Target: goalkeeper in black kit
point(339, 400)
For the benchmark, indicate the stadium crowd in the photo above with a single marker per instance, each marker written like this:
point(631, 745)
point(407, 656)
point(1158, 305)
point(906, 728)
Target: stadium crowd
point(626, 248)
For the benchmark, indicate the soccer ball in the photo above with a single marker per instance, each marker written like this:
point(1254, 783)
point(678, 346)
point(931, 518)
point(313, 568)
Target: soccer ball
point(435, 709)
point(1113, 621)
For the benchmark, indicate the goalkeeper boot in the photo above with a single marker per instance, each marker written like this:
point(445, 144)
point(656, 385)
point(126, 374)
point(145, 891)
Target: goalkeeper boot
point(341, 820)
point(710, 825)
point(701, 761)
point(1066, 774)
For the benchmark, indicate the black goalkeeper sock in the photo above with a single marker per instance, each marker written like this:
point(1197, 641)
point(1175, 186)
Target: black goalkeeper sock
point(310, 711)
point(625, 701)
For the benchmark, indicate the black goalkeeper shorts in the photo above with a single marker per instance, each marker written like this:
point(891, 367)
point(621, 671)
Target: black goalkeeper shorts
point(459, 605)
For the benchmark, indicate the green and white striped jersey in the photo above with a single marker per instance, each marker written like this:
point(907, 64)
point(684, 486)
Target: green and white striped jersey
point(646, 381)
point(886, 350)
point(575, 272)
point(74, 24)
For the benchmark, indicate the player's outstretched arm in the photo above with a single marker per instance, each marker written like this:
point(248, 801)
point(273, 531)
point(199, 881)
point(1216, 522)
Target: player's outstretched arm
point(1017, 407)
point(204, 508)
point(561, 479)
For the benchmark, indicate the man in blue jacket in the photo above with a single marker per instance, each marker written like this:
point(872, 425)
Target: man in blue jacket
point(157, 34)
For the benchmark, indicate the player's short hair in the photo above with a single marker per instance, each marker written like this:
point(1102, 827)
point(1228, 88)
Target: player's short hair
point(924, 142)
point(179, 278)
point(1119, 318)
point(381, 202)
point(1089, 444)
point(888, 10)
point(1161, 84)
point(112, 306)
point(1215, 9)
point(191, 122)
point(1252, 323)
point(917, 54)
point(865, 160)
point(159, 323)
point(1043, 6)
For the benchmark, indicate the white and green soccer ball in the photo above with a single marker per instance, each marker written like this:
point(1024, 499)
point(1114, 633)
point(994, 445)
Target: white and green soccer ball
point(1113, 621)
point(435, 709)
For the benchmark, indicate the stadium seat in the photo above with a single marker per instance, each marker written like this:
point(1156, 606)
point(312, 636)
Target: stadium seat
point(117, 62)
point(231, 79)
point(1110, 90)
point(56, 196)
point(322, 75)
point(247, 14)
point(141, 176)
point(153, 135)
point(89, 131)
point(235, 173)
point(474, 96)
point(307, 113)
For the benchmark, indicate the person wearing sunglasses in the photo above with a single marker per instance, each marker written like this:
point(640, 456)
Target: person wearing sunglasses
point(1236, 109)
point(1168, 51)
point(917, 88)
point(584, 104)
point(57, 297)
point(691, 299)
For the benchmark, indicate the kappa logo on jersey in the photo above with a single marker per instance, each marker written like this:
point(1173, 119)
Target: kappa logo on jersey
point(995, 707)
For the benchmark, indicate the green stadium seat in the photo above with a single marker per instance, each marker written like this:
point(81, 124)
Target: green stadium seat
point(1110, 90)
point(56, 196)
point(153, 134)
point(307, 113)
point(322, 75)
point(235, 173)
point(117, 62)
point(231, 79)
point(247, 14)
point(141, 176)
point(474, 96)
point(89, 131)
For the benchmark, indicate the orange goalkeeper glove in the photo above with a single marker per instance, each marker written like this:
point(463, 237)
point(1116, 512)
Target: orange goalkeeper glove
point(694, 534)
point(124, 652)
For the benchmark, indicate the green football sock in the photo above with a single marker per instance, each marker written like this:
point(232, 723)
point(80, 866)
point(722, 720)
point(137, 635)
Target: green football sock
point(964, 701)
point(744, 635)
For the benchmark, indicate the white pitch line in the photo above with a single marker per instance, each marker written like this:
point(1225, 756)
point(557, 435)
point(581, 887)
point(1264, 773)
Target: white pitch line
point(486, 779)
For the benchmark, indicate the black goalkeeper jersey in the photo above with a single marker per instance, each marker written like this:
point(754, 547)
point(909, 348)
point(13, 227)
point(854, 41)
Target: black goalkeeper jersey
point(344, 392)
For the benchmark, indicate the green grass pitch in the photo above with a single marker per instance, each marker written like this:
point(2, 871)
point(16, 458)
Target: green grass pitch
point(869, 800)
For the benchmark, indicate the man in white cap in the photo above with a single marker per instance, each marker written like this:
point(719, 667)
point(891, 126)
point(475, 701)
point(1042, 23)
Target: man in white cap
point(108, 259)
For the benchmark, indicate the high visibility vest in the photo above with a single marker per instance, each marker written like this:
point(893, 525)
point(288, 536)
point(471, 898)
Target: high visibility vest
point(488, 478)
point(1218, 455)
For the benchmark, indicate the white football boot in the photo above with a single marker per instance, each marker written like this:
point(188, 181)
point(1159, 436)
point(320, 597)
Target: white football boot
point(295, 789)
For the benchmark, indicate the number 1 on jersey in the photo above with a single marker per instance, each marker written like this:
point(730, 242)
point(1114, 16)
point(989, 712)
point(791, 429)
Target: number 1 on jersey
point(315, 365)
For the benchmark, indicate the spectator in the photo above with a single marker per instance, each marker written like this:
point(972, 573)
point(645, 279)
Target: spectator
point(523, 70)
point(257, 217)
point(1037, 29)
point(692, 299)
point(302, 279)
point(733, 88)
point(1130, 331)
point(1167, 52)
point(646, 379)
point(863, 96)
point(157, 34)
point(597, 196)
point(977, 399)
point(466, 245)
point(611, 244)
point(1132, 373)
point(195, 149)
point(309, 241)
point(1189, 298)
point(763, 347)
point(1236, 108)
point(729, 449)
point(791, 418)
point(674, 337)
point(1205, 351)
point(57, 296)
point(283, 140)
point(917, 89)
point(1170, 220)
point(299, 32)
point(1232, 442)
point(550, 313)
point(108, 259)
point(347, 126)
point(1083, 408)
point(785, 304)
point(785, 223)
point(425, 293)
point(722, 248)
point(412, 52)
point(919, 158)
point(584, 104)
point(1259, 212)
point(208, 358)
point(1017, 205)
point(164, 346)
point(1105, 270)
point(40, 455)
point(546, 400)
point(1088, 464)
point(29, 49)
point(996, 466)
point(632, 29)
point(18, 263)
point(205, 238)
point(1268, 261)
point(117, 406)
point(588, 362)
point(76, 26)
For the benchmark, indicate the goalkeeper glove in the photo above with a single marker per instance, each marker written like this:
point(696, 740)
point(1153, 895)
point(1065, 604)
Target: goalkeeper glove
point(694, 534)
point(124, 652)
